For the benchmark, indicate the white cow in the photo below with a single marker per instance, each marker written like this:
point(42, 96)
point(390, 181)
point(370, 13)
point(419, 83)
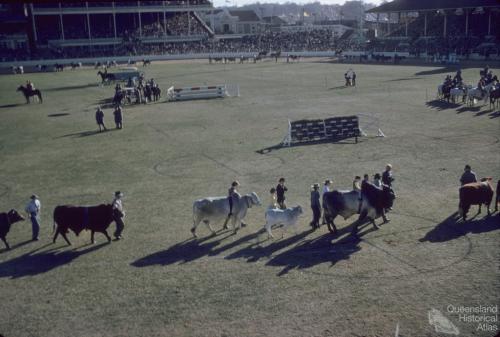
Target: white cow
point(217, 208)
point(285, 217)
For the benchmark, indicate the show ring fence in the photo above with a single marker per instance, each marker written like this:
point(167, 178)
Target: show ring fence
point(317, 130)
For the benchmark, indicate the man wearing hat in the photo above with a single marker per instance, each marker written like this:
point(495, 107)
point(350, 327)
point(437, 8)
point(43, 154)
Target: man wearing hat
point(118, 214)
point(33, 209)
point(315, 206)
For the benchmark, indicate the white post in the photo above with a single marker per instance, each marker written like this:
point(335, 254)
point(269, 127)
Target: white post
point(445, 22)
point(489, 22)
point(114, 20)
point(466, 23)
point(406, 22)
point(61, 21)
point(88, 20)
point(425, 24)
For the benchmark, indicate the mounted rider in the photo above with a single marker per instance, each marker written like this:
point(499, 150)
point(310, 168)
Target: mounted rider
point(458, 77)
point(30, 86)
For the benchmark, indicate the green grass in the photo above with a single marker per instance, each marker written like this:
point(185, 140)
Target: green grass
point(158, 282)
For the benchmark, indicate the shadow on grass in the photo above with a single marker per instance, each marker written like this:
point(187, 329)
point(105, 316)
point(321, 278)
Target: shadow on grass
point(404, 79)
point(10, 106)
point(74, 87)
point(442, 70)
point(338, 87)
point(452, 228)
point(311, 253)
point(35, 262)
point(84, 133)
point(469, 108)
point(342, 141)
point(441, 105)
point(184, 252)
point(495, 114)
point(58, 115)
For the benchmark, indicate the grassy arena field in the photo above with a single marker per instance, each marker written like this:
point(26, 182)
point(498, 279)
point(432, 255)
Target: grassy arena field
point(160, 282)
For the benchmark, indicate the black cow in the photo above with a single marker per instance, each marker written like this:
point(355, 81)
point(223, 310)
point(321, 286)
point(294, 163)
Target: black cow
point(76, 218)
point(369, 204)
point(6, 220)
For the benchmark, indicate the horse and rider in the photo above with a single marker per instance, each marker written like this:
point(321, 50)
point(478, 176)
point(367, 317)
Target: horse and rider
point(29, 91)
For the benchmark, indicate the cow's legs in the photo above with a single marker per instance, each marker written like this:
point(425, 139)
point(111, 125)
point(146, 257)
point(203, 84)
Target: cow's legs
point(65, 238)
point(209, 227)
point(267, 226)
point(105, 232)
point(6, 243)
point(479, 209)
point(196, 222)
point(55, 235)
point(330, 224)
point(235, 219)
point(92, 237)
point(488, 208)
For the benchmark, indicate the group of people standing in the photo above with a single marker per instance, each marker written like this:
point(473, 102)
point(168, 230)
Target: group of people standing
point(118, 117)
point(357, 185)
point(34, 208)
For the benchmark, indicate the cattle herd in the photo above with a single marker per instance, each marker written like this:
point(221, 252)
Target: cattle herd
point(368, 203)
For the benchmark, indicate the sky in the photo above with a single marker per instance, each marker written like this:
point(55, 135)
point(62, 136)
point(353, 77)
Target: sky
point(219, 3)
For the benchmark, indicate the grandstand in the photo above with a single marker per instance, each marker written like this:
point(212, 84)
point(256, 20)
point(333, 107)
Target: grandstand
point(65, 30)
point(462, 27)
point(71, 29)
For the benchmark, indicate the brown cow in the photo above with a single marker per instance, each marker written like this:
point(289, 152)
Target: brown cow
point(93, 218)
point(6, 220)
point(475, 194)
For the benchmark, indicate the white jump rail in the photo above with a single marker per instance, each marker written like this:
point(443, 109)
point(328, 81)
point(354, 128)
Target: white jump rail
point(202, 92)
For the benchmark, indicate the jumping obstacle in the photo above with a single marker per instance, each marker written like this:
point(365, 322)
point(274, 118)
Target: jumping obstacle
point(204, 92)
point(330, 129)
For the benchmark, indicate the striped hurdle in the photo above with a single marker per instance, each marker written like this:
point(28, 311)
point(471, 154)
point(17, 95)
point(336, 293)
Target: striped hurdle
point(178, 94)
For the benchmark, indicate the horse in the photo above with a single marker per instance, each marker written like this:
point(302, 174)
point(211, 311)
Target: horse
point(476, 93)
point(456, 93)
point(28, 93)
point(495, 97)
point(295, 57)
point(243, 59)
point(58, 67)
point(146, 62)
point(230, 59)
point(105, 77)
point(257, 58)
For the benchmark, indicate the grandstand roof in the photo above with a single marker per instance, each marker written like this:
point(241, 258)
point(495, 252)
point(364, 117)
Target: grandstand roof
point(428, 5)
point(245, 15)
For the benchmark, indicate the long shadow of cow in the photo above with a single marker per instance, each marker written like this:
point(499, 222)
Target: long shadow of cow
point(36, 262)
point(314, 252)
point(452, 227)
point(191, 249)
point(186, 251)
